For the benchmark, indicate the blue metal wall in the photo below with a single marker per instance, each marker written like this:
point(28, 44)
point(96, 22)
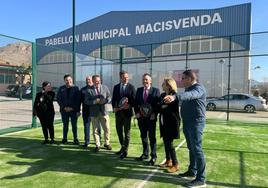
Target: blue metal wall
point(235, 20)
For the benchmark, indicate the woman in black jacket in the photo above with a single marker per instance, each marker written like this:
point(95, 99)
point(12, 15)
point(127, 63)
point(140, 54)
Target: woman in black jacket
point(44, 110)
point(169, 124)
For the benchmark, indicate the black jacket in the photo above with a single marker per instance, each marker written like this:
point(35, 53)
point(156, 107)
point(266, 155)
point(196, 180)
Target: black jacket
point(169, 118)
point(71, 99)
point(129, 92)
point(43, 104)
point(153, 97)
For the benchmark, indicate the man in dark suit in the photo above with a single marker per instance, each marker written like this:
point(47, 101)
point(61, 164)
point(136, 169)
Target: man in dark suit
point(123, 111)
point(85, 110)
point(68, 98)
point(98, 98)
point(147, 122)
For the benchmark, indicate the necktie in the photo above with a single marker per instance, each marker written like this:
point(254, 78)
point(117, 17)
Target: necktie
point(98, 91)
point(122, 90)
point(145, 95)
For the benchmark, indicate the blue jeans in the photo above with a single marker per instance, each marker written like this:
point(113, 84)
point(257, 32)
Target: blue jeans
point(65, 119)
point(193, 131)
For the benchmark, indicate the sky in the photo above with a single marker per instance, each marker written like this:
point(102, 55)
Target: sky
point(31, 19)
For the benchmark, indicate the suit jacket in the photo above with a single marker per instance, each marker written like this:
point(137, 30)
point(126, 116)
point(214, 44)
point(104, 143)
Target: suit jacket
point(91, 97)
point(73, 100)
point(152, 99)
point(85, 107)
point(169, 118)
point(130, 93)
point(43, 104)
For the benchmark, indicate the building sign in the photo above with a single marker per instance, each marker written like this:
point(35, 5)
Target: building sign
point(158, 26)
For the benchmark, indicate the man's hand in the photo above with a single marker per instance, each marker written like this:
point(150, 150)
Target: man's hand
point(116, 109)
point(126, 106)
point(98, 101)
point(168, 99)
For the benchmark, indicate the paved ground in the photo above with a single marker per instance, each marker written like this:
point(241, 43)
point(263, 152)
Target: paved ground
point(14, 112)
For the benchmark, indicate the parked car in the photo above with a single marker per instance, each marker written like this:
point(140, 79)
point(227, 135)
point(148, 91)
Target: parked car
point(14, 91)
point(238, 101)
point(11, 90)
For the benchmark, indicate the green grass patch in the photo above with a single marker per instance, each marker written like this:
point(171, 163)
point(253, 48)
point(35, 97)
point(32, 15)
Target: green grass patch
point(236, 156)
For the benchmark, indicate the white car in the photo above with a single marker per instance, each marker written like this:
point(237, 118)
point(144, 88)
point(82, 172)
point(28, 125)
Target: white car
point(238, 101)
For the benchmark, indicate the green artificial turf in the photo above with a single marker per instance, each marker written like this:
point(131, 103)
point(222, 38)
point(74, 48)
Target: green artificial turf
point(236, 156)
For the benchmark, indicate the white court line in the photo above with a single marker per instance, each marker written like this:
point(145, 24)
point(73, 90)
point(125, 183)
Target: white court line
point(155, 170)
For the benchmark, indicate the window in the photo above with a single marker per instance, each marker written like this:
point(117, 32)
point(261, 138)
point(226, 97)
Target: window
point(205, 45)
point(175, 48)
point(216, 44)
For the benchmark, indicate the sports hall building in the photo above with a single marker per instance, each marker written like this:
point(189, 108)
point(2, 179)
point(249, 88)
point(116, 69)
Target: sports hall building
point(163, 43)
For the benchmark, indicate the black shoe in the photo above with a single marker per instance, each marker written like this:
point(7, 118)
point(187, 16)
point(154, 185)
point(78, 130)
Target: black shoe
point(64, 141)
point(142, 157)
point(45, 142)
point(52, 142)
point(119, 152)
point(187, 174)
point(85, 145)
point(108, 147)
point(76, 142)
point(152, 161)
point(196, 183)
point(123, 155)
point(96, 149)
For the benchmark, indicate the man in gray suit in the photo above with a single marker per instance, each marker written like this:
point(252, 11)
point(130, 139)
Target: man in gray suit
point(98, 98)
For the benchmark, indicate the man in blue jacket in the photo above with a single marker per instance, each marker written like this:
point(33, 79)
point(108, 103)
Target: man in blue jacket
point(193, 110)
point(68, 98)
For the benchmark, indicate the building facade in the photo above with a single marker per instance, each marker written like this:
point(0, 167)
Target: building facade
point(163, 43)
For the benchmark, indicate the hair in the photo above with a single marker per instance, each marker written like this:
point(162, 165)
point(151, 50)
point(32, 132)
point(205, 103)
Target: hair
point(122, 72)
point(44, 84)
point(147, 74)
point(172, 83)
point(95, 76)
point(190, 74)
point(66, 75)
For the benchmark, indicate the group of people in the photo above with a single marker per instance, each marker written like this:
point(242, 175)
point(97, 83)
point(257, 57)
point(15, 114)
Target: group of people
point(146, 103)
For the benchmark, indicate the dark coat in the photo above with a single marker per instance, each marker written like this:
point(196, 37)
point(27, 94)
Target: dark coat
point(43, 104)
point(73, 100)
point(85, 107)
point(130, 93)
point(153, 98)
point(169, 118)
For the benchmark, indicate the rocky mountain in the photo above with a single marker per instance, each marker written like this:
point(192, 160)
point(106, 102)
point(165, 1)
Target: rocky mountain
point(16, 54)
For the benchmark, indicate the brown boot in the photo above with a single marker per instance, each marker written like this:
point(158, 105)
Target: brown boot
point(167, 163)
point(173, 168)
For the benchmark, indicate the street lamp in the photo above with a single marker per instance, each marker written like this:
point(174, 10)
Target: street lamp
point(222, 61)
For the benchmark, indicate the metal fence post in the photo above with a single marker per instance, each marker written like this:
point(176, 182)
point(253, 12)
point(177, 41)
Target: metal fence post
point(101, 60)
point(121, 57)
point(229, 77)
point(186, 60)
point(34, 76)
point(73, 45)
